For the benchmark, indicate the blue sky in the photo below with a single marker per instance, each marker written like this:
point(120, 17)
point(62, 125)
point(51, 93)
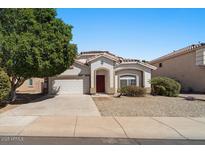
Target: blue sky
point(135, 33)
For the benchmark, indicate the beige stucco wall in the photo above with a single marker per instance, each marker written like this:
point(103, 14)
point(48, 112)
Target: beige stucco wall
point(35, 88)
point(76, 69)
point(184, 69)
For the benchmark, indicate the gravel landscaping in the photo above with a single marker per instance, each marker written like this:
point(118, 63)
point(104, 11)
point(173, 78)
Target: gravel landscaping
point(149, 106)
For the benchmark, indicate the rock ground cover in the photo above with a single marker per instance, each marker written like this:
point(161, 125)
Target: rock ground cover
point(150, 106)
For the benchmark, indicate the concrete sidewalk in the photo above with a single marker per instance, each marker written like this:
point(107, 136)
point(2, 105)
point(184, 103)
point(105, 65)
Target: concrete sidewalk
point(109, 127)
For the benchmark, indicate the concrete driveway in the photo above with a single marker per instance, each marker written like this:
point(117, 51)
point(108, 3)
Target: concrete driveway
point(60, 105)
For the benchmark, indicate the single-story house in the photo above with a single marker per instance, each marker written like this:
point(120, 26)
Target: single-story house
point(100, 72)
point(186, 65)
point(33, 85)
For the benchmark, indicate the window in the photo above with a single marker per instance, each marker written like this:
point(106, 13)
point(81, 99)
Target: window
point(127, 80)
point(30, 82)
point(160, 64)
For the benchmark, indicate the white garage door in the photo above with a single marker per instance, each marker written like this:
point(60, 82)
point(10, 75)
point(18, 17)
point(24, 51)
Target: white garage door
point(71, 86)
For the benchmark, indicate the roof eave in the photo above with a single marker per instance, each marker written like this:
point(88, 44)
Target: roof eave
point(145, 65)
point(168, 56)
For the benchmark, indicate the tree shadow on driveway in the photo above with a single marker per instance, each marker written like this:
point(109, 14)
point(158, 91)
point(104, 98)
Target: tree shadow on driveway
point(31, 98)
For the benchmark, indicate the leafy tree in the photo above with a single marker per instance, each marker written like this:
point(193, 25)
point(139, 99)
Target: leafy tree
point(4, 86)
point(34, 43)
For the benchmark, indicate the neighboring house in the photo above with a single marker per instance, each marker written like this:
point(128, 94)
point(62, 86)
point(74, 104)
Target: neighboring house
point(186, 65)
point(33, 85)
point(100, 72)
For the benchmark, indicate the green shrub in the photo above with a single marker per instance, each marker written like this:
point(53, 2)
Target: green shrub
point(133, 91)
point(5, 86)
point(165, 86)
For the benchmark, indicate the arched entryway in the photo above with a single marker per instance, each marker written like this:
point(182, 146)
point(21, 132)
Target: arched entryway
point(102, 80)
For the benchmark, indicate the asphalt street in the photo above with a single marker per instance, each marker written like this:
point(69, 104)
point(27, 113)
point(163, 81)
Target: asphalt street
point(22, 140)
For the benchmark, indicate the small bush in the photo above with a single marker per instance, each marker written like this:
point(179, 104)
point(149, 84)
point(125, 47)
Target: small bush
point(165, 86)
point(133, 91)
point(5, 86)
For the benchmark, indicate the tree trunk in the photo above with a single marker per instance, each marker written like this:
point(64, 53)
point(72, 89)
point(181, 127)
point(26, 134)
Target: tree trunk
point(13, 94)
point(15, 83)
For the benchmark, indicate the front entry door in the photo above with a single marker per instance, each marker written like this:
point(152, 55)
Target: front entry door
point(100, 83)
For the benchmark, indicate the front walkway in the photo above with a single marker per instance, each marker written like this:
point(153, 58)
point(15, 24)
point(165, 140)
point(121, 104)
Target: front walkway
point(112, 127)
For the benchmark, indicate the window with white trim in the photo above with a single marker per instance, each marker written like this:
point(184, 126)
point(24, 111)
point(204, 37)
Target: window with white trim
point(127, 80)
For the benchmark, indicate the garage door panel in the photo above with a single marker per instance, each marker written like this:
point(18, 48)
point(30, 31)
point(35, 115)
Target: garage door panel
point(71, 86)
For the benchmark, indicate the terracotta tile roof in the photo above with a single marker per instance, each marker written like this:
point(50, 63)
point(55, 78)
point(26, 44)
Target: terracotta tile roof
point(113, 57)
point(96, 52)
point(119, 60)
point(136, 61)
point(83, 61)
point(179, 52)
point(130, 60)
